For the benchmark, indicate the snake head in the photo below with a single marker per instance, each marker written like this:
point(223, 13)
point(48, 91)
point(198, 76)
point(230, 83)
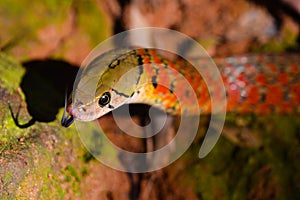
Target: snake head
point(102, 104)
point(96, 94)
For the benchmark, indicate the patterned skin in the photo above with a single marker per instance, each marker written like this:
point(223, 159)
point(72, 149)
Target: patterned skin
point(259, 84)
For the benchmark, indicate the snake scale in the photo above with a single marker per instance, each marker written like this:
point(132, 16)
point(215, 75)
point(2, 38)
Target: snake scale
point(259, 84)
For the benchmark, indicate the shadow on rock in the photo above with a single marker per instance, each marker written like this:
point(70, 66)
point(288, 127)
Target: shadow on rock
point(44, 85)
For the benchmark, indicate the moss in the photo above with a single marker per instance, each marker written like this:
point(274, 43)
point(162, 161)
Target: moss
point(51, 173)
point(34, 160)
point(23, 21)
point(93, 22)
point(208, 43)
point(21, 25)
point(11, 72)
point(276, 45)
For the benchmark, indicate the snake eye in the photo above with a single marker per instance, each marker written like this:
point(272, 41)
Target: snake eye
point(104, 99)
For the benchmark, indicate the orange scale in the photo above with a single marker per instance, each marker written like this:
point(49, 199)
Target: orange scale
point(241, 77)
point(233, 97)
point(197, 79)
point(273, 68)
point(253, 94)
point(172, 65)
point(294, 68)
point(245, 108)
point(156, 60)
point(285, 107)
point(274, 94)
point(295, 94)
point(141, 52)
point(263, 109)
point(204, 97)
point(169, 101)
point(224, 79)
point(162, 89)
point(152, 54)
point(201, 87)
point(283, 78)
point(173, 98)
point(146, 60)
point(188, 77)
point(205, 108)
point(261, 79)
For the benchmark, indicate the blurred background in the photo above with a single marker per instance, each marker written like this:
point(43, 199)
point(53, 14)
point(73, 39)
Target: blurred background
point(42, 44)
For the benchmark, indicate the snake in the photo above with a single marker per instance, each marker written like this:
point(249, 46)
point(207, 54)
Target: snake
point(257, 83)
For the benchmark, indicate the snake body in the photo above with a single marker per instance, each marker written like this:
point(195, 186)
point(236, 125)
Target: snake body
point(259, 83)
